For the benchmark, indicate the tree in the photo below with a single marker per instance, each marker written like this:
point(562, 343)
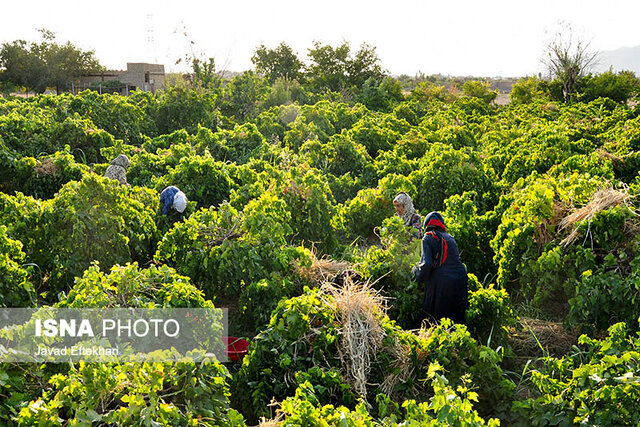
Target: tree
point(479, 89)
point(620, 87)
point(243, 95)
point(204, 74)
point(183, 107)
point(328, 66)
point(568, 60)
point(39, 65)
point(529, 89)
point(364, 66)
point(66, 62)
point(21, 67)
point(334, 69)
point(280, 62)
point(380, 95)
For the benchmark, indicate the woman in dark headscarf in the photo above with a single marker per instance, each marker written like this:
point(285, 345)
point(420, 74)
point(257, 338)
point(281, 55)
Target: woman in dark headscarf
point(443, 274)
point(405, 210)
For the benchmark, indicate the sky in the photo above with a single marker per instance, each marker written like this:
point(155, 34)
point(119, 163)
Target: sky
point(455, 37)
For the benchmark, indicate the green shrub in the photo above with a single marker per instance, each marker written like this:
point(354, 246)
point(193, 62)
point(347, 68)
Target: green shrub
point(489, 314)
point(184, 108)
point(339, 156)
point(285, 91)
point(33, 131)
point(619, 87)
point(22, 383)
point(428, 92)
point(43, 177)
point(180, 393)
point(200, 178)
point(446, 407)
point(596, 384)
point(528, 257)
point(251, 180)
point(380, 94)
point(15, 287)
point(310, 204)
point(259, 299)
point(304, 332)
point(527, 90)
point(51, 394)
point(377, 133)
point(277, 353)
point(219, 249)
point(390, 268)
point(21, 215)
point(479, 89)
point(445, 171)
point(344, 187)
point(125, 117)
point(131, 286)
point(95, 219)
point(147, 168)
point(243, 95)
point(321, 121)
point(472, 232)
point(273, 123)
point(608, 294)
point(359, 216)
point(392, 162)
point(239, 145)
point(549, 149)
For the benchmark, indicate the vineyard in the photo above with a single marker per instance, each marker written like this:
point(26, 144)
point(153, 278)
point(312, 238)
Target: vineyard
point(290, 224)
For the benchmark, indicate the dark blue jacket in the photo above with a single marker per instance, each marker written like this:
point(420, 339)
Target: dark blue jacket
point(442, 272)
point(166, 197)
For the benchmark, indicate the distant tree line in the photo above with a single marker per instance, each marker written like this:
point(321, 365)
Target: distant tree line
point(281, 76)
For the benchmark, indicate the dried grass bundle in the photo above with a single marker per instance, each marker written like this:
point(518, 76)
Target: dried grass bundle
point(536, 333)
point(401, 369)
point(321, 270)
point(215, 235)
point(274, 421)
point(359, 307)
point(603, 154)
point(559, 209)
point(46, 167)
point(601, 200)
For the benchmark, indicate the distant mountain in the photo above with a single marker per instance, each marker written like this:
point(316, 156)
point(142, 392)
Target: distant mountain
point(625, 58)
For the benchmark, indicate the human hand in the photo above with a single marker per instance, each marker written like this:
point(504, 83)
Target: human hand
point(414, 272)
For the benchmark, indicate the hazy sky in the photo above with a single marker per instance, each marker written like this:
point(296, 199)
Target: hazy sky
point(457, 37)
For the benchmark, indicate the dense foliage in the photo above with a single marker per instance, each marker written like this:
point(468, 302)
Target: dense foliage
point(597, 384)
point(290, 173)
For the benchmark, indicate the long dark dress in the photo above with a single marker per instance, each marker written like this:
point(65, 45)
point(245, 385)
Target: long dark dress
point(445, 282)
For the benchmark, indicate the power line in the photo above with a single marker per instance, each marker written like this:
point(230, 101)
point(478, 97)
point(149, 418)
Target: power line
point(151, 43)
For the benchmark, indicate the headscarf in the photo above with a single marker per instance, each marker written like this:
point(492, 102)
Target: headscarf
point(409, 211)
point(121, 160)
point(434, 221)
point(180, 201)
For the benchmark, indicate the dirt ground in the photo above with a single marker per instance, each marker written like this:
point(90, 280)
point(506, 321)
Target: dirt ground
point(502, 99)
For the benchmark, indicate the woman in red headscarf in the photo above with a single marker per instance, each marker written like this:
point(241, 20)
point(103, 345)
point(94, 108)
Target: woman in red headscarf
point(443, 274)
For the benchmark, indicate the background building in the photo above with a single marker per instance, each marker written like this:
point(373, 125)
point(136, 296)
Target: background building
point(138, 76)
